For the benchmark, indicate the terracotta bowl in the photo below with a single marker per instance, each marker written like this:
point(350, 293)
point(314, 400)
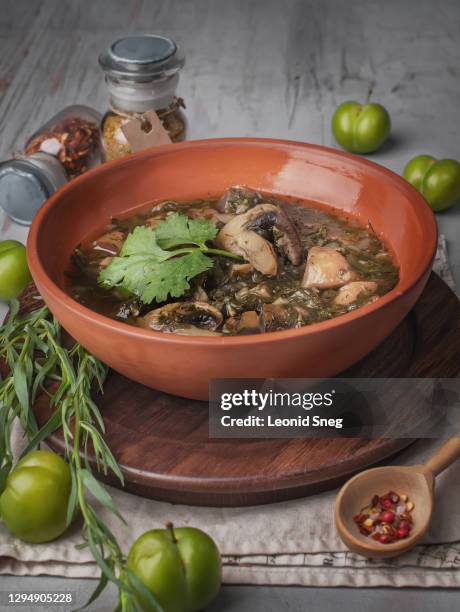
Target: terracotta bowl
point(183, 365)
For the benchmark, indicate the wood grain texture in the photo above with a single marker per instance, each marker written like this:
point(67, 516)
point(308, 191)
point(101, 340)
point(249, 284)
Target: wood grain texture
point(274, 68)
point(162, 442)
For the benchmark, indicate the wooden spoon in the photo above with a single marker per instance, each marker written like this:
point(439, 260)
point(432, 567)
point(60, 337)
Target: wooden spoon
point(417, 482)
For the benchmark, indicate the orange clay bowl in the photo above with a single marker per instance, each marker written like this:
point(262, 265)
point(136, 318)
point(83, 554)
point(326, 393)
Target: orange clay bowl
point(182, 365)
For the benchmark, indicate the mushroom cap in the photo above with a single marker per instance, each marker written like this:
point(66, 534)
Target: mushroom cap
point(184, 318)
point(259, 252)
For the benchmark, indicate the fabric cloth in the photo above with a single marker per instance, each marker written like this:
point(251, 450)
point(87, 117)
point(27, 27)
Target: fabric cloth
point(286, 543)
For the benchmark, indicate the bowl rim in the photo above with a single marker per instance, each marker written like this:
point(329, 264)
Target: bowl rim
point(42, 279)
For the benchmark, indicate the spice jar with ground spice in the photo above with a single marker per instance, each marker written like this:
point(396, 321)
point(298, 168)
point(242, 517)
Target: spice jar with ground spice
point(71, 136)
point(142, 74)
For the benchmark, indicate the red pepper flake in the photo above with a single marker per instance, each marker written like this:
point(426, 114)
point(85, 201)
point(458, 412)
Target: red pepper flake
point(74, 141)
point(387, 518)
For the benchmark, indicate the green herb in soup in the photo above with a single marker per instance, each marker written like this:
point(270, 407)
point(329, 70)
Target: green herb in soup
point(243, 264)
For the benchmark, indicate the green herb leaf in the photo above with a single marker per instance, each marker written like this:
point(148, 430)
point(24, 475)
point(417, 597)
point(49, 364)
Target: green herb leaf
point(96, 489)
point(101, 585)
point(179, 230)
point(51, 425)
point(151, 278)
point(143, 241)
point(73, 498)
point(146, 268)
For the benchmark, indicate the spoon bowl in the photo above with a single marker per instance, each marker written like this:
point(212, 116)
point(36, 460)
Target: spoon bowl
point(417, 482)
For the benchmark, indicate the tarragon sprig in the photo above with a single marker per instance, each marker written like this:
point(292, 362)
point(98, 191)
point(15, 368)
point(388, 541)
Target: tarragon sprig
point(38, 362)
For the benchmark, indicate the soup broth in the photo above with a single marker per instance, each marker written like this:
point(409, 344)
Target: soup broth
point(298, 265)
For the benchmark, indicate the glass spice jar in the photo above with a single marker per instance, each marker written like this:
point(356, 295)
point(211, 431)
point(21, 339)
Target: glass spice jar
point(26, 182)
point(142, 74)
point(71, 136)
point(64, 147)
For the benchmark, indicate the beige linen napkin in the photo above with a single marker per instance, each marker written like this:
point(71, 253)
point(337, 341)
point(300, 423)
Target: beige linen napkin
point(286, 543)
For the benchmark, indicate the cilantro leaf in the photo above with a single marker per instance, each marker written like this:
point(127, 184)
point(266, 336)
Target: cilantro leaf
point(173, 276)
point(150, 272)
point(152, 279)
point(147, 269)
point(143, 240)
point(178, 230)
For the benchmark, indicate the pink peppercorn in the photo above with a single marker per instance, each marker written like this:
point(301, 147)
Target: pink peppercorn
point(405, 525)
point(388, 516)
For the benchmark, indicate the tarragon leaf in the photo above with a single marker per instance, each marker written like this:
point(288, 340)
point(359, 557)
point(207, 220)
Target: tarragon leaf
point(177, 230)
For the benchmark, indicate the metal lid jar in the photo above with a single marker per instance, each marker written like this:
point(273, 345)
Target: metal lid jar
point(142, 74)
point(64, 147)
point(27, 182)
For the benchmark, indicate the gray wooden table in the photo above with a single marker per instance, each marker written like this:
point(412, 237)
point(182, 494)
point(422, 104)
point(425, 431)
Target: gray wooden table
point(273, 68)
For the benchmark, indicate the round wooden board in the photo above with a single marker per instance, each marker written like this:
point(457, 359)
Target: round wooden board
point(162, 444)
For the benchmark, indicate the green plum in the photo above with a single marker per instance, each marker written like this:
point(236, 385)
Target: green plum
point(361, 128)
point(34, 503)
point(437, 180)
point(180, 567)
point(14, 271)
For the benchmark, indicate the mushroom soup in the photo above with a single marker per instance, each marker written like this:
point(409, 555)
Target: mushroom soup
point(243, 264)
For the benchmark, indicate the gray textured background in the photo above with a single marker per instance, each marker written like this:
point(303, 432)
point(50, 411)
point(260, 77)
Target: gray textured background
point(263, 68)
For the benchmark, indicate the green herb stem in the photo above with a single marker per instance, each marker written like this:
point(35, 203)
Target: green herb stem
point(209, 251)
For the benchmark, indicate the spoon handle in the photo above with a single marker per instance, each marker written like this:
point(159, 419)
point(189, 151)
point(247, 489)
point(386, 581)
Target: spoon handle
point(444, 456)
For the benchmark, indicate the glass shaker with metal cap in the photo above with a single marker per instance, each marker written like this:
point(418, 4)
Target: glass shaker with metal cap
point(141, 73)
point(63, 148)
point(26, 182)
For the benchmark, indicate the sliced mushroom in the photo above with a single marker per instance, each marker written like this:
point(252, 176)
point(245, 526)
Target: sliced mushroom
point(262, 291)
point(110, 243)
point(287, 239)
point(128, 309)
point(184, 318)
point(248, 323)
point(327, 269)
point(350, 292)
point(259, 252)
point(274, 224)
point(237, 200)
point(277, 316)
point(268, 222)
point(219, 219)
point(200, 295)
point(166, 206)
point(241, 270)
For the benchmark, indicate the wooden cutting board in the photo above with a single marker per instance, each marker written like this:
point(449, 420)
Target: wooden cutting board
point(162, 444)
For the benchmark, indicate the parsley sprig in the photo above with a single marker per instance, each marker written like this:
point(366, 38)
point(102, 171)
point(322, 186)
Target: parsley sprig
point(156, 263)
